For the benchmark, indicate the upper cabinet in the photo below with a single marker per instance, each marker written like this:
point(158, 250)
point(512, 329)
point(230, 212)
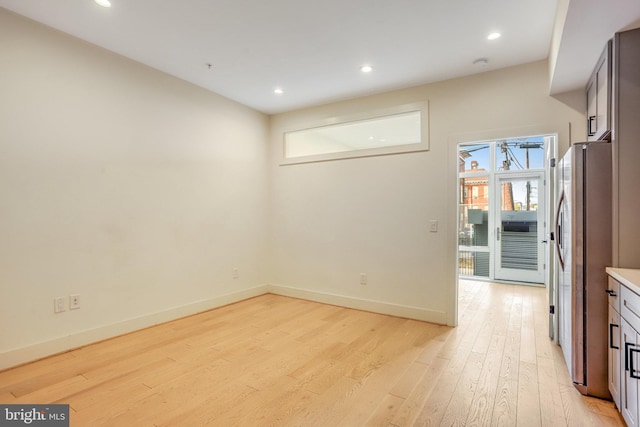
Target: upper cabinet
point(599, 98)
point(625, 140)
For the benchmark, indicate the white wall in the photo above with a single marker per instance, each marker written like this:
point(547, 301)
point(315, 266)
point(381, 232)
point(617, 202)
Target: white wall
point(334, 220)
point(134, 189)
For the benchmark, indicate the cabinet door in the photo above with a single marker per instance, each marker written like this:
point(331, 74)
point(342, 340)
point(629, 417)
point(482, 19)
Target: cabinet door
point(614, 355)
point(592, 114)
point(599, 98)
point(602, 98)
point(628, 384)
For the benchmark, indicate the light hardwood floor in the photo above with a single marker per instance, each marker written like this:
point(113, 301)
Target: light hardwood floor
point(274, 361)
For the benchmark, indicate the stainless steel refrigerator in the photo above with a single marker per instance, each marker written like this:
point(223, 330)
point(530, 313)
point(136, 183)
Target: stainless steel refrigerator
point(583, 247)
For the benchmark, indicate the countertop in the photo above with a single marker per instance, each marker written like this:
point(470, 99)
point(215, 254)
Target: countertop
point(630, 277)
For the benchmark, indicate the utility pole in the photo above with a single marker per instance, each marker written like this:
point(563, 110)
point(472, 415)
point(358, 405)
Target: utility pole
point(526, 147)
point(507, 192)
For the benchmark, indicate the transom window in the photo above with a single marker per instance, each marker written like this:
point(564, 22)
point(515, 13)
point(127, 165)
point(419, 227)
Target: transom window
point(398, 129)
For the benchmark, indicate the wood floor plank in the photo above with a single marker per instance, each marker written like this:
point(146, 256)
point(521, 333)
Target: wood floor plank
point(433, 347)
point(409, 412)
point(407, 382)
point(481, 408)
point(576, 412)
point(61, 390)
point(459, 406)
point(541, 326)
point(366, 400)
point(528, 352)
point(505, 402)
point(528, 409)
point(385, 411)
point(504, 409)
point(436, 405)
point(329, 408)
point(23, 380)
point(7, 397)
point(552, 412)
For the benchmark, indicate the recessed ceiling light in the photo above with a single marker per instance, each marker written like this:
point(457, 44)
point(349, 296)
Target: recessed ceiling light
point(278, 91)
point(103, 3)
point(494, 36)
point(366, 68)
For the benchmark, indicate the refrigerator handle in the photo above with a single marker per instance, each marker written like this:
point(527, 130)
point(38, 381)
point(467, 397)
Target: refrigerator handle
point(559, 236)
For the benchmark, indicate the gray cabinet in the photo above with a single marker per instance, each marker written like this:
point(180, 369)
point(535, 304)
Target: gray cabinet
point(599, 98)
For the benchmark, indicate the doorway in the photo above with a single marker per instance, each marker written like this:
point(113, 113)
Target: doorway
point(502, 224)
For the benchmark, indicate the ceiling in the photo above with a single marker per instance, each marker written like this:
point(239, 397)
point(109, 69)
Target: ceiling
point(313, 50)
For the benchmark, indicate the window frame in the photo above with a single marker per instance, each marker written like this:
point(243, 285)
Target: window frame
point(422, 107)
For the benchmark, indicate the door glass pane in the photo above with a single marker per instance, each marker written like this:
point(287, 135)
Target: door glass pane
point(474, 167)
point(473, 263)
point(474, 211)
point(519, 224)
point(474, 158)
point(520, 154)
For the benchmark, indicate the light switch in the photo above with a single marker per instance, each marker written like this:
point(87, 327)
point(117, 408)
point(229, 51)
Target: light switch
point(433, 226)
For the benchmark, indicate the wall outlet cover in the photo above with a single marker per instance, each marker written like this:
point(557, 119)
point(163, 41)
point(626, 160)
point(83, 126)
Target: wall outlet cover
point(74, 302)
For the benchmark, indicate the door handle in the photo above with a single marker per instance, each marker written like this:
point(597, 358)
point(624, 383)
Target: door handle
point(611, 326)
point(626, 355)
point(632, 369)
point(498, 233)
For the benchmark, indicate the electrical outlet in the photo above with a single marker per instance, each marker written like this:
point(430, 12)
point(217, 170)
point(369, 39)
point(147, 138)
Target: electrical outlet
point(59, 305)
point(74, 302)
point(236, 274)
point(363, 279)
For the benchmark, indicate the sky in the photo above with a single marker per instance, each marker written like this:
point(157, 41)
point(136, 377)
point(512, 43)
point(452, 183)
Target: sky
point(517, 155)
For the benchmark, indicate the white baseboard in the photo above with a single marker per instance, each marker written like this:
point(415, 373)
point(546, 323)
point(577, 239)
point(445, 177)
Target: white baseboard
point(40, 350)
point(37, 351)
point(408, 312)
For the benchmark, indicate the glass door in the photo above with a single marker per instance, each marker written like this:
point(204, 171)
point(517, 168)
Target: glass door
point(502, 218)
point(519, 227)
